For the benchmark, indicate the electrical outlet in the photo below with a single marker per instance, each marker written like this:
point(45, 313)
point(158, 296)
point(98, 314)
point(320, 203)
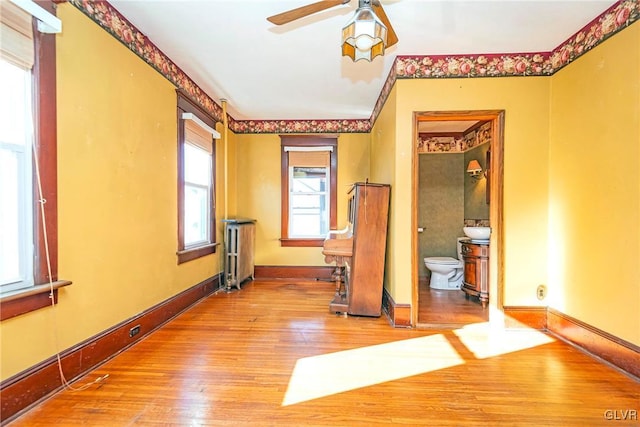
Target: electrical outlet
point(541, 292)
point(134, 331)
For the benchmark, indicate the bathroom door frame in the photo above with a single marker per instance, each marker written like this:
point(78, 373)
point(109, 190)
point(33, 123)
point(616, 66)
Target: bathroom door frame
point(495, 184)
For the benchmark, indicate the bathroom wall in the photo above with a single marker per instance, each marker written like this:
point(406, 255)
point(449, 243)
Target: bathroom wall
point(476, 207)
point(448, 197)
point(441, 204)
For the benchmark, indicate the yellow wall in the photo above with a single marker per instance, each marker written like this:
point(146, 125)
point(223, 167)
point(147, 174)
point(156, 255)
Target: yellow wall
point(117, 196)
point(571, 188)
point(526, 103)
point(571, 181)
point(594, 199)
point(383, 171)
point(258, 192)
point(226, 177)
point(225, 184)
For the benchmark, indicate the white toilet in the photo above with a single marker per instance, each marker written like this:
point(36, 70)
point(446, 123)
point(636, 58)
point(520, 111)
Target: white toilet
point(446, 272)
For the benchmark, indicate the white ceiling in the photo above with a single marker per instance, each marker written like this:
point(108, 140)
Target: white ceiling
point(296, 71)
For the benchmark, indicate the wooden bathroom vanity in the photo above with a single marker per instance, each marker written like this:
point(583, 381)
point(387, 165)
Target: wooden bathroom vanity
point(476, 270)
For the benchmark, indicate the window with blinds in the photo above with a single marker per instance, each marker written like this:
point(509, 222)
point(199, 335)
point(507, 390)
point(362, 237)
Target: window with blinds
point(196, 182)
point(308, 193)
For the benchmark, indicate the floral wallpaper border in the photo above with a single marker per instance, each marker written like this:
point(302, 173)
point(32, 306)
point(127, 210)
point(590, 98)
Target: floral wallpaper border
point(619, 16)
point(112, 21)
point(450, 144)
point(301, 126)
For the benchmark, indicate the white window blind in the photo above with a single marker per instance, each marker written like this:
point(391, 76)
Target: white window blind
point(198, 132)
point(309, 156)
point(16, 33)
point(309, 148)
point(309, 159)
point(197, 136)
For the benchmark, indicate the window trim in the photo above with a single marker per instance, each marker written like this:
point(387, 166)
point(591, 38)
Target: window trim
point(45, 134)
point(186, 105)
point(306, 141)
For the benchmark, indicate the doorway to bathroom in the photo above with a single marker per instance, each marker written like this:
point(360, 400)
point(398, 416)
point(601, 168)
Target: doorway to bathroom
point(457, 182)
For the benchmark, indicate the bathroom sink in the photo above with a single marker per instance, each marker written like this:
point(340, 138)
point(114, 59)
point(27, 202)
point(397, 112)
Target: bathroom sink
point(477, 233)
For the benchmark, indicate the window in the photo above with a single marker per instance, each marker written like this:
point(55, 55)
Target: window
point(197, 193)
point(16, 195)
point(27, 134)
point(309, 178)
point(308, 201)
point(196, 184)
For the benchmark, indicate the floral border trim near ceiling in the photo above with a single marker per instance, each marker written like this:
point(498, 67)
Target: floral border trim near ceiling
point(501, 65)
point(617, 17)
point(112, 21)
point(301, 126)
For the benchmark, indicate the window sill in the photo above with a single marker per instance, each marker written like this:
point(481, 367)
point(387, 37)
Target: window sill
point(302, 242)
point(27, 300)
point(194, 253)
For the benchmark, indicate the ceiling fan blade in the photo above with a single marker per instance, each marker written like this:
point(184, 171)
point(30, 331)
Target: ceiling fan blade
point(392, 37)
point(301, 12)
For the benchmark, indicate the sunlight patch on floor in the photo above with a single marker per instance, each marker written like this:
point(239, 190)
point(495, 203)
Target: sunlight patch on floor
point(484, 341)
point(328, 374)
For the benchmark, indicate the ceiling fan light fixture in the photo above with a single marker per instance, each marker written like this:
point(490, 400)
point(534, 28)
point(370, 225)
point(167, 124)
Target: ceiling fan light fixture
point(364, 36)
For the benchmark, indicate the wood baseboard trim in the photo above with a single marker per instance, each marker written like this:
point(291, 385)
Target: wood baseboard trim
point(269, 272)
point(399, 314)
point(26, 389)
point(616, 351)
point(530, 317)
point(619, 353)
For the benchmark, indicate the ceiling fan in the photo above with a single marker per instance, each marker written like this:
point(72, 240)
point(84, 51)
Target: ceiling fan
point(384, 34)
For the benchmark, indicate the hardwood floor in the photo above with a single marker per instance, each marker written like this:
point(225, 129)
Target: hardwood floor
point(446, 308)
point(271, 354)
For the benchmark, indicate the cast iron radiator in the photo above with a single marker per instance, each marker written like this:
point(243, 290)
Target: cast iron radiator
point(240, 236)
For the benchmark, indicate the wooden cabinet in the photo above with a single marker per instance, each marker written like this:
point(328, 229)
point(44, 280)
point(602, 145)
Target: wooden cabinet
point(476, 271)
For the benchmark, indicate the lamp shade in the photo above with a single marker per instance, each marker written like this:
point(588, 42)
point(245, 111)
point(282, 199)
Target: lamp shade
point(364, 36)
point(474, 167)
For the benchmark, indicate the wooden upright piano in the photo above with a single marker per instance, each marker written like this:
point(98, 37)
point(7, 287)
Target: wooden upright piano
point(359, 251)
